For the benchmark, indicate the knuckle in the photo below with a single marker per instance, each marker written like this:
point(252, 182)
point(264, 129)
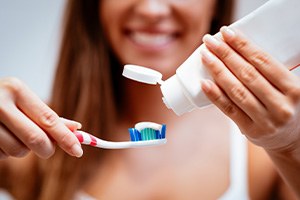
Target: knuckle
point(285, 113)
point(12, 85)
point(229, 109)
point(48, 118)
point(259, 59)
point(294, 93)
point(36, 140)
point(225, 105)
point(269, 128)
point(225, 53)
point(218, 73)
point(17, 151)
point(216, 98)
point(10, 88)
point(241, 45)
point(238, 93)
point(248, 74)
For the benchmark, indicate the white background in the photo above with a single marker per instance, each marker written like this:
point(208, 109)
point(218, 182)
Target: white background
point(30, 36)
point(29, 40)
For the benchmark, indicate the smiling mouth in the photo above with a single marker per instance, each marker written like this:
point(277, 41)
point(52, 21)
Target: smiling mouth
point(151, 40)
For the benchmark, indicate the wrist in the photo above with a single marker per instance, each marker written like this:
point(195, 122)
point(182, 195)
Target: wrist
point(279, 142)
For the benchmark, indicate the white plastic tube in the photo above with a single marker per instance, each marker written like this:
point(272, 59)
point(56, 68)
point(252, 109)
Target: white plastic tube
point(275, 27)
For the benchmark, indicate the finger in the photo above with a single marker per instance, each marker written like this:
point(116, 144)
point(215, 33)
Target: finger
point(49, 121)
point(216, 96)
point(265, 92)
point(262, 61)
point(71, 124)
point(233, 88)
point(27, 131)
point(10, 145)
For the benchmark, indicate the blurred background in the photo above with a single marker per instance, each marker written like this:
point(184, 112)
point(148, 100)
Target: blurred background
point(30, 37)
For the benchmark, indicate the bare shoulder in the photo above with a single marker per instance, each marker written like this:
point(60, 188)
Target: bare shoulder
point(264, 180)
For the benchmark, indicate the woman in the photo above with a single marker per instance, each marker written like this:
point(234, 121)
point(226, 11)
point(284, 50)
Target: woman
point(197, 162)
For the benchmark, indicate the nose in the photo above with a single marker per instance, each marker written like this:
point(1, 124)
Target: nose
point(152, 10)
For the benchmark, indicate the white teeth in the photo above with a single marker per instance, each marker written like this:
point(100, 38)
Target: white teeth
point(151, 39)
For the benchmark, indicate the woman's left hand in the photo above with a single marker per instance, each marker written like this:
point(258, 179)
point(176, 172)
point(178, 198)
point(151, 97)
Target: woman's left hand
point(255, 90)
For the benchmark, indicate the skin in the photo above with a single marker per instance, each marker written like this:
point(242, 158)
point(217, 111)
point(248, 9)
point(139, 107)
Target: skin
point(185, 162)
point(36, 124)
point(265, 107)
point(150, 33)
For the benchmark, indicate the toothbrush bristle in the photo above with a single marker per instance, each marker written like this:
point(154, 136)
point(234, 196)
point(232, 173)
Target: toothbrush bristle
point(163, 131)
point(135, 135)
point(147, 134)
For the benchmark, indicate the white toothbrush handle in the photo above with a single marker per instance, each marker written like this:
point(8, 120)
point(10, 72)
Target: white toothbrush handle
point(88, 139)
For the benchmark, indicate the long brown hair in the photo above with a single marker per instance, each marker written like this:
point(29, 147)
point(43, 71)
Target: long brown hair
point(83, 90)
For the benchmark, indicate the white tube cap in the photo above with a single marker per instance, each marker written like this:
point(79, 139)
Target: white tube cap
point(142, 74)
point(174, 96)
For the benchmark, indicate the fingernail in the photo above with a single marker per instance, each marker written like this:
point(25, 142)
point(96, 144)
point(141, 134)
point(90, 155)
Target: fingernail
point(207, 56)
point(211, 41)
point(228, 32)
point(79, 125)
point(206, 85)
point(77, 150)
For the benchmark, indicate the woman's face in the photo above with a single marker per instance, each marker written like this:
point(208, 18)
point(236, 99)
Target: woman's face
point(159, 34)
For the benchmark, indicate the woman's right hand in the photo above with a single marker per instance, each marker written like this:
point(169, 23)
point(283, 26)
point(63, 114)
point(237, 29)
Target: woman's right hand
point(28, 124)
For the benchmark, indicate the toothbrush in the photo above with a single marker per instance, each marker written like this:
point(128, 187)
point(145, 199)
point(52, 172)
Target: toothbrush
point(144, 134)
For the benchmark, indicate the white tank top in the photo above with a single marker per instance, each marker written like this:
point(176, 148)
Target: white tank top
point(238, 188)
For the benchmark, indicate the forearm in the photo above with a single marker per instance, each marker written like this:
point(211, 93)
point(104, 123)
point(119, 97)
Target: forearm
point(288, 165)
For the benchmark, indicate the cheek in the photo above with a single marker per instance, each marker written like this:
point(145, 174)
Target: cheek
point(200, 20)
point(197, 24)
point(109, 21)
